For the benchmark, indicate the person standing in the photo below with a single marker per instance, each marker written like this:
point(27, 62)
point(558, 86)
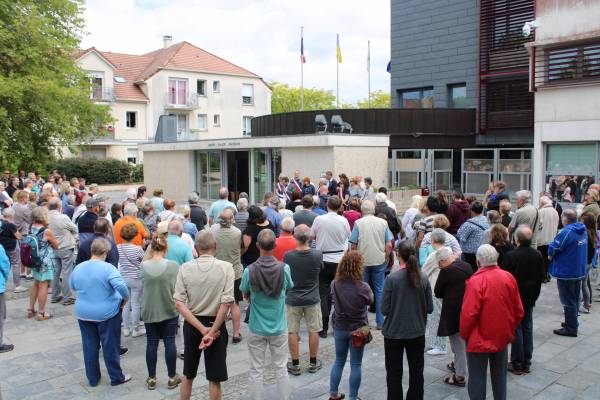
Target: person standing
point(285, 242)
point(203, 297)
point(197, 214)
point(241, 217)
point(350, 298)
point(130, 217)
point(458, 212)
point(178, 250)
point(527, 215)
point(332, 184)
point(470, 234)
point(372, 237)
point(589, 220)
point(302, 301)
point(450, 287)
point(101, 292)
point(85, 222)
point(265, 283)
point(527, 266)
point(271, 211)
point(331, 232)
point(158, 311)
point(491, 312)
point(64, 255)
point(499, 194)
point(9, 240)
point(425, 225)
point(306, 215)
point(257, 222)
point(4, 273)
point(546, 235)
point(219, 205)
point(281, 189)
point(101, 230)
point(406, 302)
point(568, 260)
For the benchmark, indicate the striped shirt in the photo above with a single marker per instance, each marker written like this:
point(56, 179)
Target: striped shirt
point(130, 259)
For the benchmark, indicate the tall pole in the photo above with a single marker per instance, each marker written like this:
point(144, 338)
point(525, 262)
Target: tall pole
point(302, 69)
point(337, 71)
point(369, 70)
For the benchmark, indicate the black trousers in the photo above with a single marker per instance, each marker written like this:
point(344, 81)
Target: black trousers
point(472, 260)
point(394, 354)
point(544, 251)
point(326, 276)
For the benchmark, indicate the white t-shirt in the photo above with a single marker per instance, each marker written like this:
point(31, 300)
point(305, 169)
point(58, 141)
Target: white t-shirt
point(331, 232)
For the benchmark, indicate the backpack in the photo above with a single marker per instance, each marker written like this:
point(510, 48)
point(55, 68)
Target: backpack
point(32, 255)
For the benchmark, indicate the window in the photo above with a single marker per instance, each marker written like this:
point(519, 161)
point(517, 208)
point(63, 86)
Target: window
point(201, 87)
point(217, 120)
point(202, 123)
point(132, 156)
point(247, 94)
point(131, 119)
point(96, 85)
point(181, 123)
point(571, 63)
point(178, 91)
point(457, 95)
point(216, 86)
point(416, 98)
point(246, 126)
point(571, 158)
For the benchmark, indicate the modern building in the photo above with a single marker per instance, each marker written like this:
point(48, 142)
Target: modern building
point(565, 77)
point(209, 97)
point(464, 54)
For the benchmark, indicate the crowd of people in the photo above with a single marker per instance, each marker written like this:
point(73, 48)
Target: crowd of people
point(447, 270)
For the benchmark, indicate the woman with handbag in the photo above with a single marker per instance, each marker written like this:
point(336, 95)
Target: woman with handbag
point(350, 298)
point(405, 304)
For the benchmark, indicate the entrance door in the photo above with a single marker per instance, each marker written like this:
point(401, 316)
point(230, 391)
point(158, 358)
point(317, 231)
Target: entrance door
point(440, 165)
point(238, 175)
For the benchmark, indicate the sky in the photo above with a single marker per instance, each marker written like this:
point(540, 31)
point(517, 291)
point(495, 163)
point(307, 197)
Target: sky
point(262, 36)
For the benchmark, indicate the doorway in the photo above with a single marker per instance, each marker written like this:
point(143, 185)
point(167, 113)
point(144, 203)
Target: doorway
point(238, 176)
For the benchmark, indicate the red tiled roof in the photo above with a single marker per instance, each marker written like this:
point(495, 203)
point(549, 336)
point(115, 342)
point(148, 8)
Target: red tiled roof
point(180, 56)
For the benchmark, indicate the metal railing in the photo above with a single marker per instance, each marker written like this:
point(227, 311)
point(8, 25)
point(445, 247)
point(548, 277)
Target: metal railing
point(103, 94)
point(173, 101)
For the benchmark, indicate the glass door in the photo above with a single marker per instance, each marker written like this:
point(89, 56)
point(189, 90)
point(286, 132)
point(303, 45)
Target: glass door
point(208, 174)
point(260, 174)
point(407, 168)
point(441, 173)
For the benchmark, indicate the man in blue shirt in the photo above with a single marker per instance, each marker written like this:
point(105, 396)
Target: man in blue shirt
point(272, 213)
point(4, 272)
point(220, 205)
point(266, 281)
point(178, 250)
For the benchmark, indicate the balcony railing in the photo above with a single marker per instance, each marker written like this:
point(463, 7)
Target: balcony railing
point(105, 94)
point(175, 102)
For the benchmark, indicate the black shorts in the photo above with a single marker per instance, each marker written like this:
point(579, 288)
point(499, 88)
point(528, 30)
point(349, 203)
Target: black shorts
point(237, 293)
point(215, 357)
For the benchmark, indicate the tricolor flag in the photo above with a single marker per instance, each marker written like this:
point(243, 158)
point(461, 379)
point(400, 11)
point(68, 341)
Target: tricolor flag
point(302, 58)
point(338, 50)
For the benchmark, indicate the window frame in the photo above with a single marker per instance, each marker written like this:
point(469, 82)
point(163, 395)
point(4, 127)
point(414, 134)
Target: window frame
point(216, 120)
point(451, 88)
point(251, 98)
point(575, 65)
point(249, 118)
point(204, 81)
point(216, 84)
point(135, 119)
point(421, 91)
point(205, 128)
point(186, 92)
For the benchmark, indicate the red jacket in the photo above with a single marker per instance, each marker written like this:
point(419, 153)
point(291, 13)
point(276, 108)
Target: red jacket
point(491, 310)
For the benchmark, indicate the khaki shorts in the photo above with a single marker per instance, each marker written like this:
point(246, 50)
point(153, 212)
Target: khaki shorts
point(311, 314)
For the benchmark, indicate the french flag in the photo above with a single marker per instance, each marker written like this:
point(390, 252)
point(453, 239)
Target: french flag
point(302, 58)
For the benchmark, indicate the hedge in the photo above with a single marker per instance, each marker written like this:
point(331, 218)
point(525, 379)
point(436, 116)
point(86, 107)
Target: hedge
point(100, 171)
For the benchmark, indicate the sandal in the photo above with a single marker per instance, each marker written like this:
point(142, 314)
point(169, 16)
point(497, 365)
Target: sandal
point(451, 367)
point(43, 316)
point(31, 312)
point(454, 381)
point(340, 397)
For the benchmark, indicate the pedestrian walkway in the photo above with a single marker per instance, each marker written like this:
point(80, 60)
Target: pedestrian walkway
point(47, 363)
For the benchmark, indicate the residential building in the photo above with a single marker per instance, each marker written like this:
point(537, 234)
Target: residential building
point(565, 78)
point(464, 54)
point(207, 97)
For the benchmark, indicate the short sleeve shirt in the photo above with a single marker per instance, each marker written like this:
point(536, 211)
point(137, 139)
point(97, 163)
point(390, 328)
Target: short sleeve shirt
point(331, 232)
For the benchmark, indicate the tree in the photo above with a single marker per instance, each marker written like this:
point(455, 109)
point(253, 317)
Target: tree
point(44, 97)
point(287, 99)
point(379, 99)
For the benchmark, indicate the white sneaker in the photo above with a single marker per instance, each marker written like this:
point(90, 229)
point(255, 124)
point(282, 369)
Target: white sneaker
point(126, 332)
point(138, 332)
point(583, 310)
point(436, 352)
point(20, 289)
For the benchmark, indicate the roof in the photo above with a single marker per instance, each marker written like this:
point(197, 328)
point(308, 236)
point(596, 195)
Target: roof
point(180, 56)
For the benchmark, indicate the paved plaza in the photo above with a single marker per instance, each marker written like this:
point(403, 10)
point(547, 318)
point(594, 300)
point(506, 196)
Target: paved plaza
point(47, 363)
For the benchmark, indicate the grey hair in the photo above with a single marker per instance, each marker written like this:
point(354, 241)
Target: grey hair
point(287, 225)
point(71, 199)
point(130, 209)
point(524, 195)
point(242, 204)
point(487, 255)
point(226, 218)
point(380, 198)
point(205, 241)
point(266, 240)
point(569, 216)
point(367, 207)
point(302, 233)
point(39, 215)
point(316, 200)
point(175, 227)
point(193, 198)
point(223, 193)
point(8, 212)
point(494, 217)
point(438, 236)
point(545, 201)
point(184, 210)
point(443, 254)
point(100, 247)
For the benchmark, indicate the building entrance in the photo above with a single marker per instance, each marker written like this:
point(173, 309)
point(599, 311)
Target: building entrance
point(238, 176)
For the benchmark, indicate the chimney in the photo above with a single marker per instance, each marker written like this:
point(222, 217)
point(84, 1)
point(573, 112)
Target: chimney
point(167, 41)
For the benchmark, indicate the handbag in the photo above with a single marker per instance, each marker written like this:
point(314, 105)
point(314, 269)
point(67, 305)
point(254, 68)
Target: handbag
point(361, 336)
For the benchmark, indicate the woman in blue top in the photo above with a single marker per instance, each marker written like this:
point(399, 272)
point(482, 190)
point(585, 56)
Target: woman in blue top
point(101, 292)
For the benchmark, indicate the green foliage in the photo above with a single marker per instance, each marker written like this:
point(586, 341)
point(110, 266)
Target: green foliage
point(94, 170)
point(379, 99)
point(44, 97)
point(287, 99)
point(137, 173)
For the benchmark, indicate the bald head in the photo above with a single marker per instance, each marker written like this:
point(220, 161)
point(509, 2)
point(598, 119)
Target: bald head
point(302, 234)
point(523, 235)
point(223, 193)
point(175, 227)
point(54, 203)
point(205, 242)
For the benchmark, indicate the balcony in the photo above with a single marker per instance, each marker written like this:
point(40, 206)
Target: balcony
point(103, 94)
point(174, 101)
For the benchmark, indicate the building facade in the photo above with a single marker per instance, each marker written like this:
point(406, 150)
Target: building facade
point(464, 54)
point(565, 77)
point(208, 97)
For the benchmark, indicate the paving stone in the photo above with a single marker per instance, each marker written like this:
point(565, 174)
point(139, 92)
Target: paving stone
point(556, 391)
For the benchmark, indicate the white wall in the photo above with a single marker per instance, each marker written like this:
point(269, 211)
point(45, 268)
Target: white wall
point(94, 63)
point(122, 132)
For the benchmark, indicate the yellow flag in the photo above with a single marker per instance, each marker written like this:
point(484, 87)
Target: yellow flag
point(338, 50)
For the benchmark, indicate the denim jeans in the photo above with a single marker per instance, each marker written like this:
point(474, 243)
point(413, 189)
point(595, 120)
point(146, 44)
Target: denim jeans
point(64, 261)
point(478, 366)
point(376, 275)
point(586, 286)
point(165, 330)
point(15, 264)
point(569, 292)
point(521, 349)
point(108, 335)
point(394, 356)
point(133, 308)
point(342, 346)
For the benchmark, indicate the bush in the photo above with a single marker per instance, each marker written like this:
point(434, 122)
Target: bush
point(137, 173)
point(100, 171)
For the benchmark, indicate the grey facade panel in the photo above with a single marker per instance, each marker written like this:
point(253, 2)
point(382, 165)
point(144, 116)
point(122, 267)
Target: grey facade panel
point(434, 44)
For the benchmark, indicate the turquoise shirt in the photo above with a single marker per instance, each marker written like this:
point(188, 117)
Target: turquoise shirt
point(218, 206)
point(178, 251)
point(267, 314)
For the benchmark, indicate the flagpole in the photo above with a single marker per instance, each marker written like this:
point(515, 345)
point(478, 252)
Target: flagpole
point(369, 70)
point(337, 72)
point(301, 72)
